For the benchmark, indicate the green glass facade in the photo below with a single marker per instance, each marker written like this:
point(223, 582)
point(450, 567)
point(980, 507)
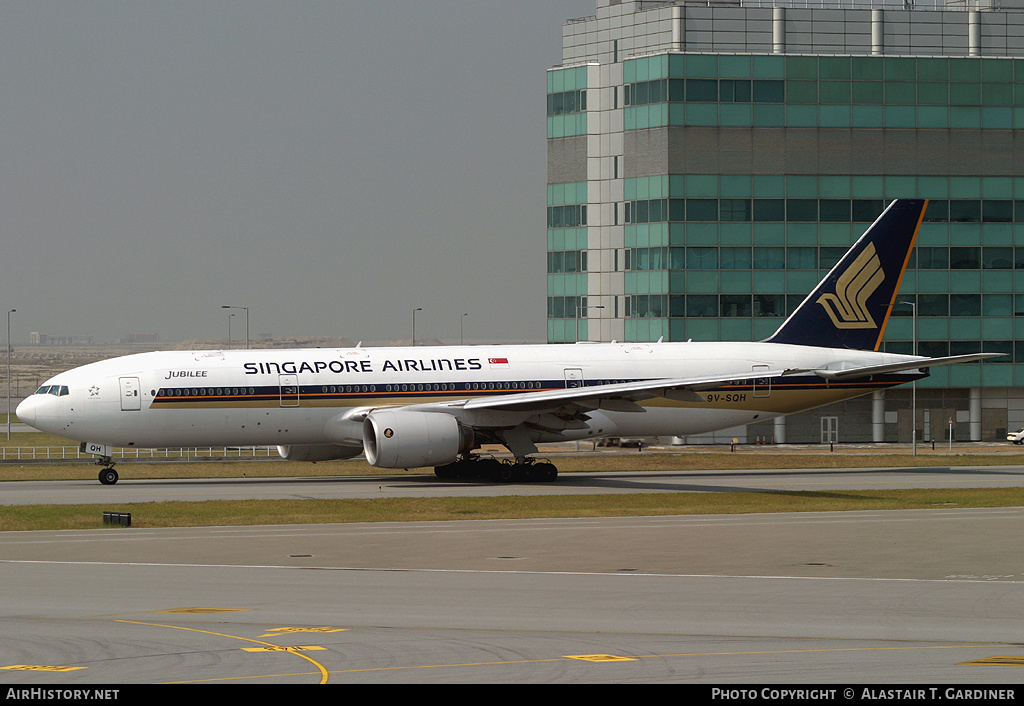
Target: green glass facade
point(824, 91)
point(567, 102)
point(725, 256)
point(567, 259)
point(708, 163)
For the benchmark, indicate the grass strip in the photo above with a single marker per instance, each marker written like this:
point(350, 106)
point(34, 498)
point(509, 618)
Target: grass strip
point(275, 512)
point(613, 462)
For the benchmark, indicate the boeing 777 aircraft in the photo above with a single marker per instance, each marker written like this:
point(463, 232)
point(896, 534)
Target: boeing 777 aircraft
point(414, 407)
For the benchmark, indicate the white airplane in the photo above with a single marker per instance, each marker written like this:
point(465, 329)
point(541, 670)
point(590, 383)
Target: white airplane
point(415, 407)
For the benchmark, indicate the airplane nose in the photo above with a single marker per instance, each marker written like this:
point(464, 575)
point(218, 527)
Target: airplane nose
point(26, 411)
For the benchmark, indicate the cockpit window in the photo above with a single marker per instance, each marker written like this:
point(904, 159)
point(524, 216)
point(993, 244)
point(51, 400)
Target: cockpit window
point(58, 390)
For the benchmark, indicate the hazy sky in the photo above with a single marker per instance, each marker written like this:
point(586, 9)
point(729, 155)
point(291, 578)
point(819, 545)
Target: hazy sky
point(330, 165)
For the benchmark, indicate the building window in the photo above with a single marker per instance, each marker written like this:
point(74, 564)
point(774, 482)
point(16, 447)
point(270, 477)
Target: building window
point(931, 258)
point(702, 305)
point(734, 305)
point(567, 102)
point(571, 216)
point(560, 261)
point(796, 210)
point(704, 90)
point(769, 305)
point(964, 258)
point(964, 211)
point(646, 306)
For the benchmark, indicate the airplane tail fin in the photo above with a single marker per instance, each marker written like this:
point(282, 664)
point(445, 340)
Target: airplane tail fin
point(851, 306)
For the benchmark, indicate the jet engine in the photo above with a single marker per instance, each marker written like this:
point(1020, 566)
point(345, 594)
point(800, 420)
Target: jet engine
point(317, 452)
point(409, 439)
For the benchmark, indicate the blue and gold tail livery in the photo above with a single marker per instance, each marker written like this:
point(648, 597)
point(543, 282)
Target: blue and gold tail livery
point(850, 307)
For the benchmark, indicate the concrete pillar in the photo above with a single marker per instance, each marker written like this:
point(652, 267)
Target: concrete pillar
point(778, 30)
point(678, 30)
point(975, 413)
point(878, 416)
point(780, 430)
point(974, 33)
point(877, 32)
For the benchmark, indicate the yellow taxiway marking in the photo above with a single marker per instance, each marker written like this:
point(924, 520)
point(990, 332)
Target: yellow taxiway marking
point(40, 668)
point(997, 661)
point(201, 611)
point(276, 632)
point(323, 670)
point(284, 648)
point(602, 658)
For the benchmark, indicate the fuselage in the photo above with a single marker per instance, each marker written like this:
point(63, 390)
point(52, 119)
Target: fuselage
point(308, 396)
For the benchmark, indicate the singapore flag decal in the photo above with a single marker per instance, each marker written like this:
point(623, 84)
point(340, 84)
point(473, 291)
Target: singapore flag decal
point(498, 363)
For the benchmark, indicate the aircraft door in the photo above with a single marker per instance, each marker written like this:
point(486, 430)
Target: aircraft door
point(131, 399)
point(762, 386)
point(573, 377)
point(289, 390)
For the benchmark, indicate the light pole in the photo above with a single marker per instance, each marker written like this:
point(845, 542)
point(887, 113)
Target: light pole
point(419, 308)
point(230, 316)
point(246, 322)
point(9, 372)
point(580, 308)
point(913, 404)
point(462, 338)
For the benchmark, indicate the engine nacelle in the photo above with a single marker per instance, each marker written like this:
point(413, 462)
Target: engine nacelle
point(317, 452)
point(408, 439)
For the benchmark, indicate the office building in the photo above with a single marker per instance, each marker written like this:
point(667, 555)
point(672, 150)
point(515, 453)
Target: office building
point(708, 162)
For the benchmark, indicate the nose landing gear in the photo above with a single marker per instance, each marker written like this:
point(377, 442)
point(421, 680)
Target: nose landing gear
point(103, 454)
point(108, 476)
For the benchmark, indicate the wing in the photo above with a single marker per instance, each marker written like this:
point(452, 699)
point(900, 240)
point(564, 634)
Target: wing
point(622, 396)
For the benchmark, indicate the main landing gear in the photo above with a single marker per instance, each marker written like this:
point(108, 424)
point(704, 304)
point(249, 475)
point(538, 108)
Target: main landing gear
point(524, 470)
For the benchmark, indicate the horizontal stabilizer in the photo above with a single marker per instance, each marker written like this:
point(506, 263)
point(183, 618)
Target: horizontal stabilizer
point(918, 364)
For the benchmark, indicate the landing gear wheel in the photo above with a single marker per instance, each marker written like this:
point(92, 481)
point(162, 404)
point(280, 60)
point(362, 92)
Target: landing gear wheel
point(546, 472)
point(108, 476)
point(457, 469)
point(503, 473)
point(447, 471)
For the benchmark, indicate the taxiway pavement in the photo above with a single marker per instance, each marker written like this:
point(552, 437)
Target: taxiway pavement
point(908, 597)
point(129, 490)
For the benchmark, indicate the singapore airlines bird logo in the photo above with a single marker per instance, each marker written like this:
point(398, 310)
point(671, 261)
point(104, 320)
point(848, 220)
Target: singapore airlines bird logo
point(848, 306)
